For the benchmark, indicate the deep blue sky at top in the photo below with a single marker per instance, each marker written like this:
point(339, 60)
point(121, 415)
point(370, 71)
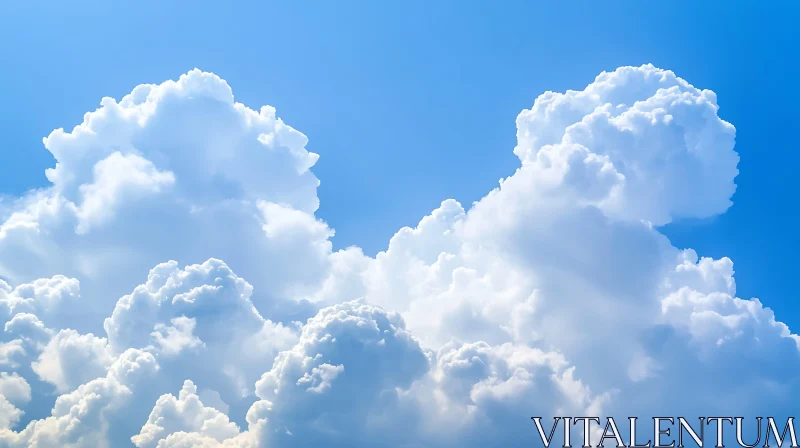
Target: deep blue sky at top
point(409, 103)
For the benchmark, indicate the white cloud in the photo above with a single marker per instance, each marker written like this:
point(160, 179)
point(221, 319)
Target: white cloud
point(14, 388)
point(200, 319)
point(51, 299)
point(177, 337)
point(81, 417)
point(118, 178)
point(71, 359)
point(184, 414)
point(14, 391)
point(9, 414)
point(661, 134)
point(554, 294)
point(145, 179)
point(352, 353)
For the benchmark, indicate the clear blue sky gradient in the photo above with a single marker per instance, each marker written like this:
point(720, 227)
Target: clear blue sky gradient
point(409, 103)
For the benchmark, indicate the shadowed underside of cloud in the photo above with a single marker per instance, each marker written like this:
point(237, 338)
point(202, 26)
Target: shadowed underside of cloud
point(555, 294)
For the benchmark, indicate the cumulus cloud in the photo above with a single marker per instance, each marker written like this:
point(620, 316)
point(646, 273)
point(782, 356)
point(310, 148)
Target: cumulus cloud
point(117, 178)
point(184, 414)
point(14, 391)
point(555, 294)
point(148, 178)
point(71, 359)
point(14, 388)
point(82, 417)
point(655, 130)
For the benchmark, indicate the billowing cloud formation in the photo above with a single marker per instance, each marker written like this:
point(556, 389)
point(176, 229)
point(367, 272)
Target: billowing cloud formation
point(555, 294)
point(149, 178)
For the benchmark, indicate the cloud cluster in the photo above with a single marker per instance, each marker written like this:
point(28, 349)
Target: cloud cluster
point(555, 294)
point(149, 178)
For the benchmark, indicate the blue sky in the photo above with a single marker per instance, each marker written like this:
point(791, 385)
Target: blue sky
point(553, 295)
point(410, 103)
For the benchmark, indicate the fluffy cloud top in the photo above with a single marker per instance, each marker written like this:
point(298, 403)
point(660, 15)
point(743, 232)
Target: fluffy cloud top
point(554, 294)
